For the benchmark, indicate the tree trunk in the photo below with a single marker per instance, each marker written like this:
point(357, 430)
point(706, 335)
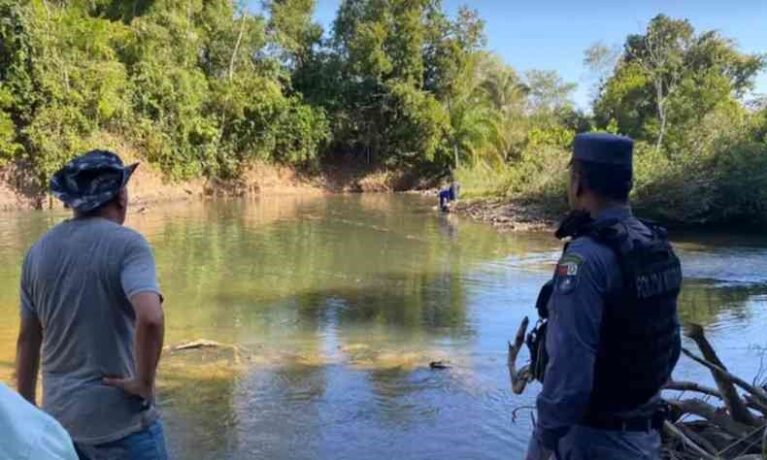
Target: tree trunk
point(661, 101)
point(237, 45)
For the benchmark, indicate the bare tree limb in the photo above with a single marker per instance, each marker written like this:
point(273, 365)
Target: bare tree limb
point(237, 45)
point(755, 404)
point(730, 396)
point(519, 378)
point(697, 438)
point(673, 431)
point(756, 392)
point(712, 414)
point(693, 387)
point(745, 443)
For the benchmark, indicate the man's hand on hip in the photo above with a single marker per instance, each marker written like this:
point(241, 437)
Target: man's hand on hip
point(132, 386)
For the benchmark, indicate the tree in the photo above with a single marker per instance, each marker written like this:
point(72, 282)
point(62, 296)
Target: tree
point(669, 78)
point(600, 59)
point(291, 27)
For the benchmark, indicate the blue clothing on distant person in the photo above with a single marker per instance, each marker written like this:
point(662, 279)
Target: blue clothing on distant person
point(586, 275)
point(447, 195)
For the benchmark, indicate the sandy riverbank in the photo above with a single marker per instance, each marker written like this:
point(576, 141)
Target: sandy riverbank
point(150, 186)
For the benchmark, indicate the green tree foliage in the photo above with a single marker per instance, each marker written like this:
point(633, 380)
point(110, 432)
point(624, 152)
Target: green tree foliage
point(188, 81)
point(701, 156)
point(205, 87)
point(669, 78)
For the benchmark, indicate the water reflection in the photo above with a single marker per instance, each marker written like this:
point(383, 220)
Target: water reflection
point(339, 304)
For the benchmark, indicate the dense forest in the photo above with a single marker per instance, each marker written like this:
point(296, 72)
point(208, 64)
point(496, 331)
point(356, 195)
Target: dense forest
point(205, 87)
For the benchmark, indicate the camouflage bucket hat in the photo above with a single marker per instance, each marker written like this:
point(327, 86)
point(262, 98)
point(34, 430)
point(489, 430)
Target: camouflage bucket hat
point(91, 180)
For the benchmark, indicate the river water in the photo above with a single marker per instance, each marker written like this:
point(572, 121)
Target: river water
point(337, 305)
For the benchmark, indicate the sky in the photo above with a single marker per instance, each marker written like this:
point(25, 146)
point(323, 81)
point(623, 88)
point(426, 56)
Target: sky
point(553, 34)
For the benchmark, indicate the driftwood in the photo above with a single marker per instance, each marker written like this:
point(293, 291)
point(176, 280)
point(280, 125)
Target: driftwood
point(673, 431)
point(718, 417)
point(692, 387)
point(756, 392)
point(755, 404)
point(519, 378)
point(726, 422)
point(205, 343)
point(698, 439)
point(735, 405)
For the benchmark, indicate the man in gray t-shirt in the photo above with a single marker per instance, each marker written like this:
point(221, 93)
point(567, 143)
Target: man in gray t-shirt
point(90, 299)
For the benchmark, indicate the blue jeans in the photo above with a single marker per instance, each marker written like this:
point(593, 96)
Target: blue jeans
point(147, 444)
point(586, 443)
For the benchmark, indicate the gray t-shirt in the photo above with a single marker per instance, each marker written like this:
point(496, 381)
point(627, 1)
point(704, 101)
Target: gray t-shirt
point(77, 280)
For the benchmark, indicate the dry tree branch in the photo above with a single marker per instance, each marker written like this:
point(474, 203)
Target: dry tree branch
point(753, 438)
point(735, 405)
point(519, 378)
point(677, 385)
point(710, 413)
point(697, 438)
point(673, 431)
point(758, 393)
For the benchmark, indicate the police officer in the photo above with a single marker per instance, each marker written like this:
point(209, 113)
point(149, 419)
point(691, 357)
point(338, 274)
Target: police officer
point(612, 334)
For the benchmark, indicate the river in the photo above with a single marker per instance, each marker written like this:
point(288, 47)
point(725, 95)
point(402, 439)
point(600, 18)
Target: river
point(338, 304)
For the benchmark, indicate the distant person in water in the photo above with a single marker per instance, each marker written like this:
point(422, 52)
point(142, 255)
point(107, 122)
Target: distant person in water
point(447, 196)
point(91, 303)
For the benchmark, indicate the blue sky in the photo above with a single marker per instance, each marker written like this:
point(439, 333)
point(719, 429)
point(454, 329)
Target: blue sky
point(553, 34)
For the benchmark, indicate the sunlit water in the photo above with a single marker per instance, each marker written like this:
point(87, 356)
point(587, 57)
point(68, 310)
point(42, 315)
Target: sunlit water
point(338, 304)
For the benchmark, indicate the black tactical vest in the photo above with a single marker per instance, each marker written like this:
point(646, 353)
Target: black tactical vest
point(640, 338)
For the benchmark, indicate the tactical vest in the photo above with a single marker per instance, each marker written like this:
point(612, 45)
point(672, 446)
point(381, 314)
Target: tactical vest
point(639, 339)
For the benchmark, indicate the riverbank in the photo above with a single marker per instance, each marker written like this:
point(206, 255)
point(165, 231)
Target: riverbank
point(508, 215)
point(150, 186)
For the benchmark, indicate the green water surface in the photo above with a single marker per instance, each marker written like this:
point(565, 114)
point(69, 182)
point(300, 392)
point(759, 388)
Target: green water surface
point(336, 306)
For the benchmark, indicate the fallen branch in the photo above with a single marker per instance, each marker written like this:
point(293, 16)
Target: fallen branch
point(735, 406)
point(205, 343)
point(749, 441)
point(710, 413)
point(755, 404)
point(757, 392)
point(697, 438)
point(692, 387)
point(519, 378)
point(674, 432)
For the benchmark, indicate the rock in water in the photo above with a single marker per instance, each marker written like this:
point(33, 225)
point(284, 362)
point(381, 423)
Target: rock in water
point(438, 365)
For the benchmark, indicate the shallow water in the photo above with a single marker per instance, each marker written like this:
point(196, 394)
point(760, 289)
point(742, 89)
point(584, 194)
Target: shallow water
point(338, 304)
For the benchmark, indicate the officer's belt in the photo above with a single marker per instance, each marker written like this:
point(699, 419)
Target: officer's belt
point(614, 423)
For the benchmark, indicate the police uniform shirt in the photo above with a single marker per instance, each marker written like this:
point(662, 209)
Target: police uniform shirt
point(585, 274)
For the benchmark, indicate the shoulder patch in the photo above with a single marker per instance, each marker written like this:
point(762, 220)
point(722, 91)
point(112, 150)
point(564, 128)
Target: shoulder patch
point(566, 274)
